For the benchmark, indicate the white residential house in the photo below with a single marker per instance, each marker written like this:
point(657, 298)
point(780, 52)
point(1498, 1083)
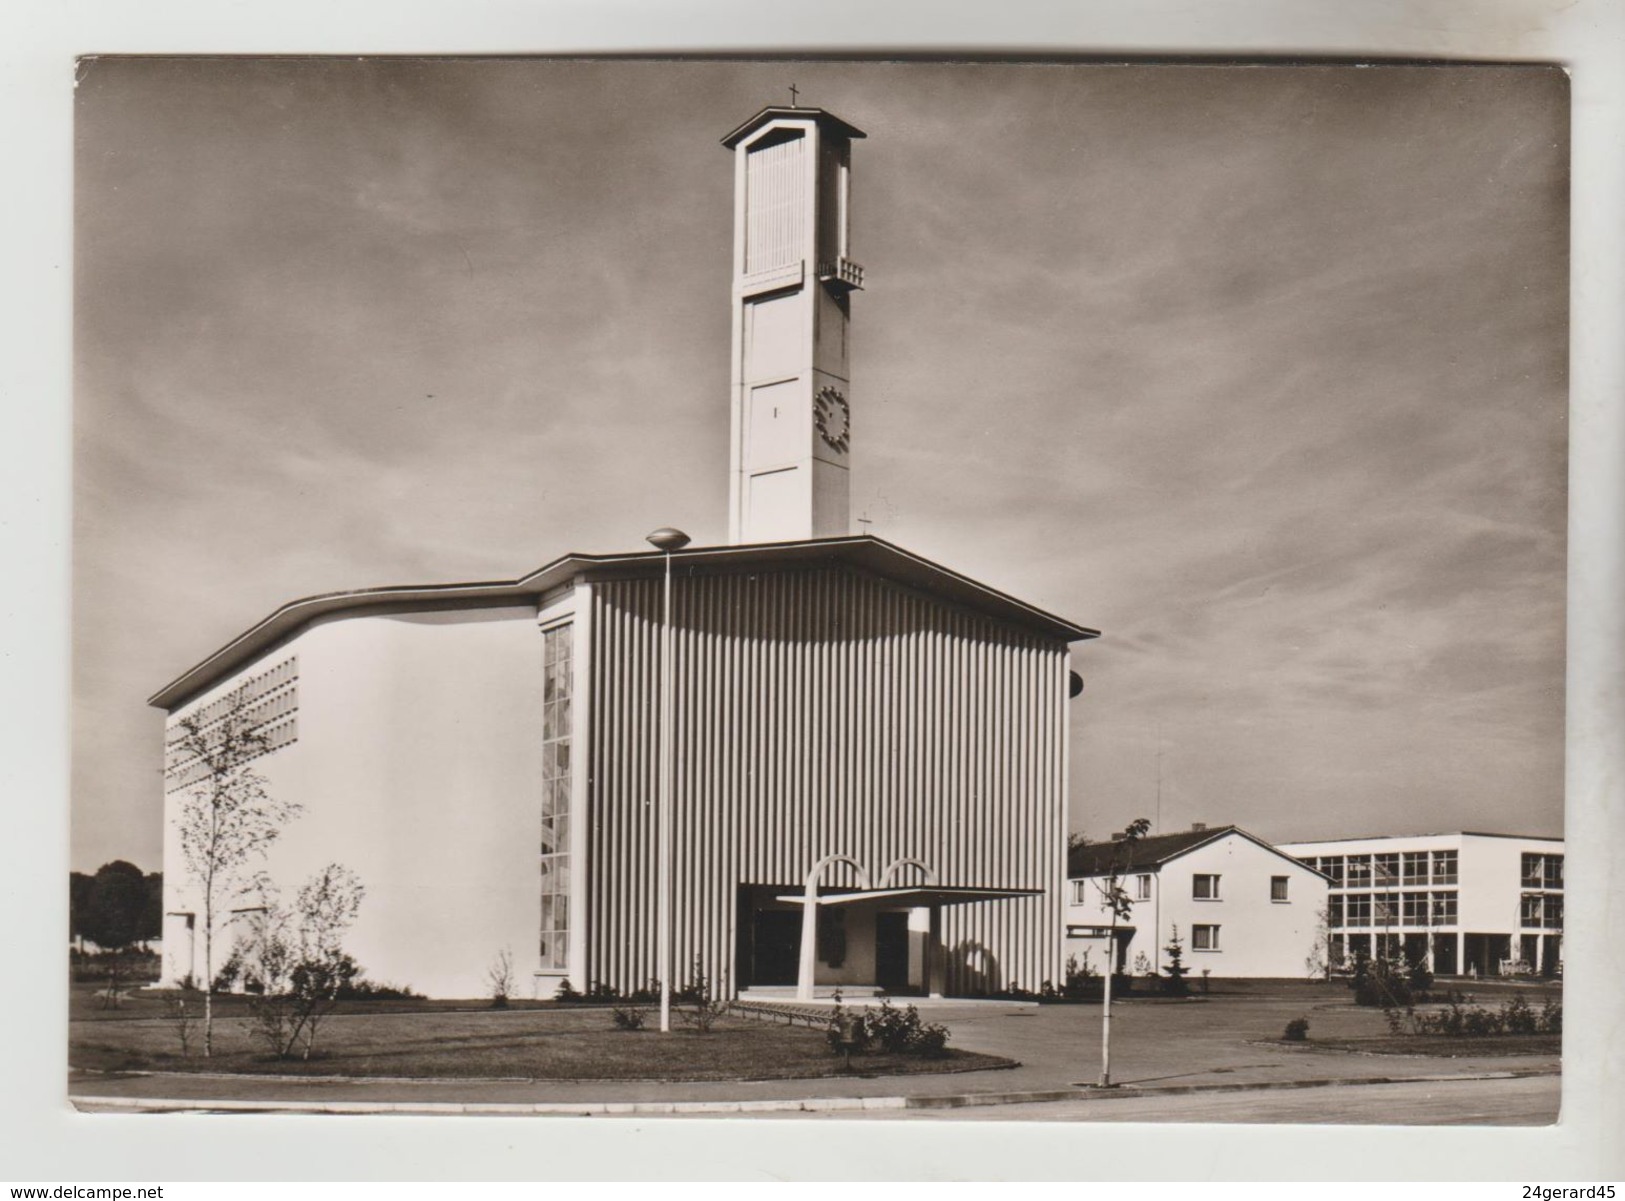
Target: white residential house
point(1242, 907)
point(1470, 902)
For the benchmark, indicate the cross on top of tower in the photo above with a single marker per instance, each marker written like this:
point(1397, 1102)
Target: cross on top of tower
point(794, 92)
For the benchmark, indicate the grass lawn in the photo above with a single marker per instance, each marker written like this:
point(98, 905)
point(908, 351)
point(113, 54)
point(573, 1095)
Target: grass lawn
point(407, 1039)
point(1442, 1046)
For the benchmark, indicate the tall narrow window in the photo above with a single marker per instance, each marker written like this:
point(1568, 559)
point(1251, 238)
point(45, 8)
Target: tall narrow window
point(1444, 867)
point(1278, 885)
point(1416, 867)
point(557, 687)
point(1529, 910)
point(1142, 888)
point(1444, 909)
point(1387, 869)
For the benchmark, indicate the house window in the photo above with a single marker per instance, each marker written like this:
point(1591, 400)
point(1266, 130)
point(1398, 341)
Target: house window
point(1336, 951)
point(1415, 867)
point(1079, 891)
point(1551, 912)
point(1532, 873)
point(1204, 938)
point(1444, 909)
point(1332, 865)
point(1359, 871)
point(1385, 912)
point(1357, 909)
point(1444, 867)
point(1278, 885)
point(1529, 909)
point(1142, 888)
point(1387, 873)
point(1552, 871)
point(1414, 908)
point(557, 689)
point(1205, 888)
point(1334, 911)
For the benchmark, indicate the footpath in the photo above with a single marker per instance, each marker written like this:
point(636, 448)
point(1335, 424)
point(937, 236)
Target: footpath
point(1222, 1045)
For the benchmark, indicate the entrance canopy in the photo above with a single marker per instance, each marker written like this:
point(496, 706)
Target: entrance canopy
point(931, 894)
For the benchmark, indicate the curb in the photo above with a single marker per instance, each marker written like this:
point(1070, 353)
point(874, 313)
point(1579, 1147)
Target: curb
point(787, 1105)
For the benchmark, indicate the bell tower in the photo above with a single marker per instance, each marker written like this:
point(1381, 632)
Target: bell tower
point(793, 280)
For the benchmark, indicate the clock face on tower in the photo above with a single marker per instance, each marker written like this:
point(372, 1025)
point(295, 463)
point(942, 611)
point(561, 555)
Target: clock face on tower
point(833, 419)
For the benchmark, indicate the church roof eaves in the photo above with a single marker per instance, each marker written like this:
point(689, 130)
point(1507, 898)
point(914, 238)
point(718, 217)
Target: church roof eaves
point(863, 551)
point(774, 112)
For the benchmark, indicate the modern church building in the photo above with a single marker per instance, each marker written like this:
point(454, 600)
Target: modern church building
point(867, 752)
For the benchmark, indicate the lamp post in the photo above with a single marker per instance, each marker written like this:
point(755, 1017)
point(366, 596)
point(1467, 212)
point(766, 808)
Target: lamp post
point(667, 540)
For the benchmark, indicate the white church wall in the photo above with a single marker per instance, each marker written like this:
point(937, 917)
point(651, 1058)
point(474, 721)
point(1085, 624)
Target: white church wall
point(417, 767)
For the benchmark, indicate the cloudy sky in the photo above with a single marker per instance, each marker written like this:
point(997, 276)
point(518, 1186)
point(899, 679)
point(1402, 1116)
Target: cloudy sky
point(1258, 370)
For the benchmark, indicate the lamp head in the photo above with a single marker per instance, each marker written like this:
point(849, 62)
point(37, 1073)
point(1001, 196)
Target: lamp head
point(668, 539)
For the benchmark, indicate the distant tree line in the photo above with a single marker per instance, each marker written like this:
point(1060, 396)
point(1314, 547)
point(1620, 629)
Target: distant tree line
point(118, 907)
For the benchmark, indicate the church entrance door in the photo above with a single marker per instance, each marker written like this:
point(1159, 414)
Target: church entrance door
point(775, 946)
point(891, 951)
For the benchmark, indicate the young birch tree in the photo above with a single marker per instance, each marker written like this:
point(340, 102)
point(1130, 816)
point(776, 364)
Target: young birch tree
point(229, 820)
point(300, 959)
point(1115, 897)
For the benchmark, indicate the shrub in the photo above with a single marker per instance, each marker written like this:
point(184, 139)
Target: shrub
point(230, 971)
point(566, 993)
point(183, 1021)
point(500, 977)
point(889, 1030)
point(1518, 1017)
point(930, 1041)
point(1297, 1030)
point(847, 1031)
point(1389, 981)
point(703, 1010)
point(894, 1029)
point(1173, 983)
point(629, 1016)
point(362, 989)
point(1481, 1022)
point(1551, 1017)
point(1080, 978)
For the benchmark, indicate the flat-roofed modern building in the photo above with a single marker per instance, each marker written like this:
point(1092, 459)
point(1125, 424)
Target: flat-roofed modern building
point(1469, 902)
point(868, 750)
point(1242, 908)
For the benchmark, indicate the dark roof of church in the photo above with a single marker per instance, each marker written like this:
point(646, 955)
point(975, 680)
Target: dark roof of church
point(1096, 858)
point(865, 552)
point(774, 112)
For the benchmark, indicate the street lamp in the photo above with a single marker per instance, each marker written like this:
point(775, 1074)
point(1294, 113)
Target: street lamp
point(667, 540)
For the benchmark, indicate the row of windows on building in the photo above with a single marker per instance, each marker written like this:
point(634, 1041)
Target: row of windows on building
point(1423, 867)
point(1386, 869)
point(269, 704)
point(246, 693)
point(1205, 886)
point(1391, 909)
point(1542, 871)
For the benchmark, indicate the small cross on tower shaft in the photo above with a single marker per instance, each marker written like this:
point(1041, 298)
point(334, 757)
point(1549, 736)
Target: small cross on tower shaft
point(794, 92)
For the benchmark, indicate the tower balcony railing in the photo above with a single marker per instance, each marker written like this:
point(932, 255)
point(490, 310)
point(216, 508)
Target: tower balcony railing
point(842, 271)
